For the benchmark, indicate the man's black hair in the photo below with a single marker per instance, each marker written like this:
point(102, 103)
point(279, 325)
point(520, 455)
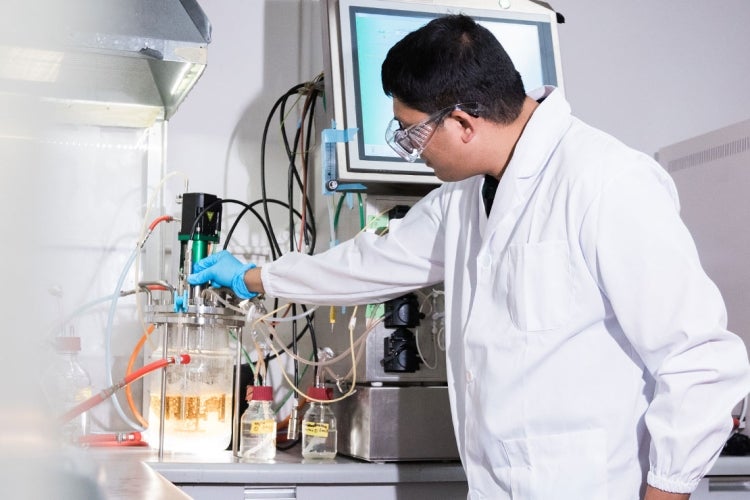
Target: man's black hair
point(453, 60)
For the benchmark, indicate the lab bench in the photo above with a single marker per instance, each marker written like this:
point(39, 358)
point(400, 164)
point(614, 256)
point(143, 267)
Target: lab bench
point(137, 473)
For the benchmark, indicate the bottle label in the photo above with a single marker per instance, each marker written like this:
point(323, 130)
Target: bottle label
point(316, 429)
point(262, 427)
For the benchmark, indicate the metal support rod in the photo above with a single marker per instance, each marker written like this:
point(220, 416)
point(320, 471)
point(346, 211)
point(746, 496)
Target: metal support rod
point(163, 402)
point(236, 431)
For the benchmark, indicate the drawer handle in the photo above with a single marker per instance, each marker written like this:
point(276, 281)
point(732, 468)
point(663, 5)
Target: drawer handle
point(729, 484)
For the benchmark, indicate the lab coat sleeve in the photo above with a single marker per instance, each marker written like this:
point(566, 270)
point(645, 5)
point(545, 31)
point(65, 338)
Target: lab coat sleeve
point(647, 266)
point(366, 268)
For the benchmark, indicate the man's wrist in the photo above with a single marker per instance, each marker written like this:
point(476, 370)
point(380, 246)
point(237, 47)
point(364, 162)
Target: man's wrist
point(238, 283)
point(253, 280)
point(657, 494)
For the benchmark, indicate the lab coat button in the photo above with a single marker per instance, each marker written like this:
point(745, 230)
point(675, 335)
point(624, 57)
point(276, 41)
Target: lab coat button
point(469, 376)
point(486, 261)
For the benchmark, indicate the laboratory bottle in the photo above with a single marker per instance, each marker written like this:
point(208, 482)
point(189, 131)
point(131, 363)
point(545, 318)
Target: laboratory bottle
point(67, 384)
point(258, 426)
point(319, 427)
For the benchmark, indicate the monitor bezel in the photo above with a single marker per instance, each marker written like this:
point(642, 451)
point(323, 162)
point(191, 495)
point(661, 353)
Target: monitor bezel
point(344, 111)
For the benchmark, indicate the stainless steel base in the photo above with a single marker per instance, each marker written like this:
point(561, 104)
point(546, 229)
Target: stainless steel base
point(383, 424)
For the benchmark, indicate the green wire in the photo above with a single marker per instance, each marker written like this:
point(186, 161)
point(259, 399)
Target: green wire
point(338, 212)
point(341, 204)
point(361, 212)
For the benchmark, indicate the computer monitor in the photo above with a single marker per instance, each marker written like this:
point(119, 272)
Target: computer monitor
point(357, 37)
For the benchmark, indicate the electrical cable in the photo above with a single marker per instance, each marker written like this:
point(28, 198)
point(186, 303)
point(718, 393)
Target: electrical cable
point(264, 195)
point(282, 424)
point(262, 221)
point(312, 90)
point(295, 350)
point(302, 142)
point(246, 208)
point(250, 208)
point(296, 148)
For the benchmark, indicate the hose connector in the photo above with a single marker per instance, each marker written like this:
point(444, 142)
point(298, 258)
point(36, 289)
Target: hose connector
point(292, 430)
point(181, 359)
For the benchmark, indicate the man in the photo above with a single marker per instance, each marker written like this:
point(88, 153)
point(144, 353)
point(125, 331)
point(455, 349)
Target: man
point(588, 356)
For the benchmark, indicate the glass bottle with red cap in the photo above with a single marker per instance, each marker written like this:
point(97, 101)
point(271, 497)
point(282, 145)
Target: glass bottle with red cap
point(258, 426)
point(319, 426)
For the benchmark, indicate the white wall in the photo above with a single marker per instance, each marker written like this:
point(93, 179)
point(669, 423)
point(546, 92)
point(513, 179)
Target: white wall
point(259, 50)
point(650, 73)
point(655, 73)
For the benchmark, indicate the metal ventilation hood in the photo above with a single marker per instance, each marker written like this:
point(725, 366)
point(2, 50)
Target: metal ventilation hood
point(102, 62)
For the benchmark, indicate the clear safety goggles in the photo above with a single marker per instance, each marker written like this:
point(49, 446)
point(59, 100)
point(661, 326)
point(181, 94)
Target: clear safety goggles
point(410, 142)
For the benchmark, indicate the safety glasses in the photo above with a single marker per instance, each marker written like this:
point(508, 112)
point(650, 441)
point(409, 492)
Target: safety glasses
point(410, 142)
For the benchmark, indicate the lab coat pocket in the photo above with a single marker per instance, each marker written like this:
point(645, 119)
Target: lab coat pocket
point(539, 285)
point(569, 466)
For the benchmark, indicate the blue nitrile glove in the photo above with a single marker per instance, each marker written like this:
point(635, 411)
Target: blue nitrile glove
point(222, 269)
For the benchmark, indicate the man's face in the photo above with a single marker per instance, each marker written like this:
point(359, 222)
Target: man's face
point(445, 151)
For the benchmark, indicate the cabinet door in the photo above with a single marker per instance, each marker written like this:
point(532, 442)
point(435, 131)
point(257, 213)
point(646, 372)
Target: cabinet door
point(723, 488)
point(410, 491)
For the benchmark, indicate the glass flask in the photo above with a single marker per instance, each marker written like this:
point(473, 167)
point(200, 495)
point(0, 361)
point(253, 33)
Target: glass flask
point(198, 408)
point(258, 426)
point(319, 427)
point(67, 384)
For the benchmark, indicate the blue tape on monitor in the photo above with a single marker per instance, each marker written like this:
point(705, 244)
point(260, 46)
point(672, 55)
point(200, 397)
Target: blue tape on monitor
point(330, 137)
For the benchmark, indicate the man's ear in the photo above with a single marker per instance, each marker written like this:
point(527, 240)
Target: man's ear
point(468, 124)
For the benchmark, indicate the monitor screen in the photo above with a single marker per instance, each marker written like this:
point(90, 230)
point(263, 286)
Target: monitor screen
point(364, 32)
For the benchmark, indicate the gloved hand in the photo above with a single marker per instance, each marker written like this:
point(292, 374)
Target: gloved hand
point(222, 269)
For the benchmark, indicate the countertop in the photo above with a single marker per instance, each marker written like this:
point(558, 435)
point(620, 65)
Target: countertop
point(136, 473)
point(291, 468)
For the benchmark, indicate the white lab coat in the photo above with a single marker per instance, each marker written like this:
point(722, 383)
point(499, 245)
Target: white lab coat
point(587, 349)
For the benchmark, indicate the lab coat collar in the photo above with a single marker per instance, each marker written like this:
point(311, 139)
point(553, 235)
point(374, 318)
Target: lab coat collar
point(542, 133)
point(540, 138)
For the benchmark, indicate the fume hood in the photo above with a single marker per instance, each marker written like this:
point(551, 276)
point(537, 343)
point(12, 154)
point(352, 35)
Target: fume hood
point(102, 62)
